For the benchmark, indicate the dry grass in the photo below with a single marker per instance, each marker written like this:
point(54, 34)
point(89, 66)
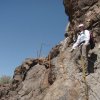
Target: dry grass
point(5, 79)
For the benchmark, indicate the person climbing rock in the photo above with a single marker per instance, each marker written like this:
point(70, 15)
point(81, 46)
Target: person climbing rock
point(82, 46)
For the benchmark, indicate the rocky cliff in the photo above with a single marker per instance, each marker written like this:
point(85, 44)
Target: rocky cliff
point(55, 77)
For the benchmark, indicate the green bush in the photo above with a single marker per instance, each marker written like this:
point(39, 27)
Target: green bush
point(5, 79)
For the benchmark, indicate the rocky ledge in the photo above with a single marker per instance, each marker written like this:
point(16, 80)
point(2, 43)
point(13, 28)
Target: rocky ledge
point(55, 77)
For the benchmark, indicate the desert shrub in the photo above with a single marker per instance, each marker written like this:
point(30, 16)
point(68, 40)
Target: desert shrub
point(5, 79)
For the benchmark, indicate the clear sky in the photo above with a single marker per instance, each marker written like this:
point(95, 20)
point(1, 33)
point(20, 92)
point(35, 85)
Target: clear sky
point(24, 26)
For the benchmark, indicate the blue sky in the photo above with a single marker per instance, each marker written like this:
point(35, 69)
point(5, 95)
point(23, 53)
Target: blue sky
point(24, 26)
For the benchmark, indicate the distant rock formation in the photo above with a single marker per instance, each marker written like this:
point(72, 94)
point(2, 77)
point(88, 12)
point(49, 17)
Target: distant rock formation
point(54, 77)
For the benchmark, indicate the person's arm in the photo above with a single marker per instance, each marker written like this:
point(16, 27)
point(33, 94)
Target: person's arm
point(87, 38)
point(75, 44)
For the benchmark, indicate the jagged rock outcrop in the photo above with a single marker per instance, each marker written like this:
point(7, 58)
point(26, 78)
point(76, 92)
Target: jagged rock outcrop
point(55, 77)
point(83, 11)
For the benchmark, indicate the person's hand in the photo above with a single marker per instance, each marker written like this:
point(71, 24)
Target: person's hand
point(86, 43)
point(99, 46)
point(71, 50)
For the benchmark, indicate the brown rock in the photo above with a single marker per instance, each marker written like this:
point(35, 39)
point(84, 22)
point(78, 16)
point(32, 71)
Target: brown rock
point(55, 77)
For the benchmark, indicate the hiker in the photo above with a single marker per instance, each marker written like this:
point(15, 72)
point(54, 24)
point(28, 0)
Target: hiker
point(82, 44)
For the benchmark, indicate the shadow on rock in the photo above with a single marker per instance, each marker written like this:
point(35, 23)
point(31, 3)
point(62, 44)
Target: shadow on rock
point(91, 61)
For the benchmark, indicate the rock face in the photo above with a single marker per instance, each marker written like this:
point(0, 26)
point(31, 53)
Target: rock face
point(83, 11)
point(55, 77)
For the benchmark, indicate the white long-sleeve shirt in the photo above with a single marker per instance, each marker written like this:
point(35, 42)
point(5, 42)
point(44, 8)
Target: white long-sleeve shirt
point(83, 36)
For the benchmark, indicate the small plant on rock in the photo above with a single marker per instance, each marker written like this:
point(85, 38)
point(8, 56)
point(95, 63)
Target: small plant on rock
point(5, 79)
